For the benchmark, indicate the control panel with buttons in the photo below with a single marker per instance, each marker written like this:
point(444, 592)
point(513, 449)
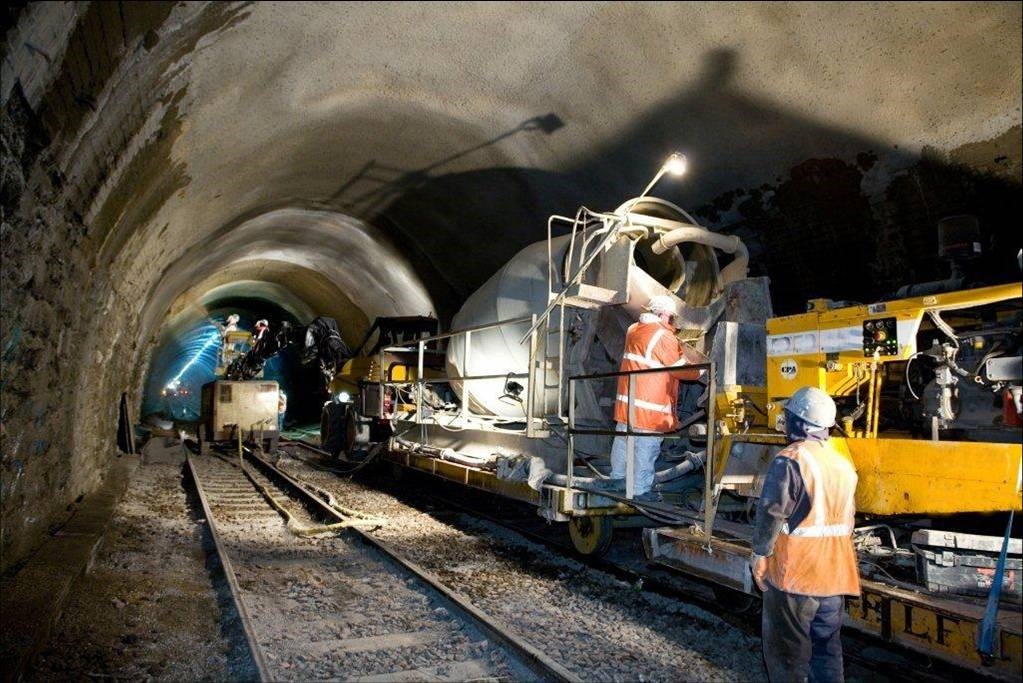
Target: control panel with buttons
point(880, 335)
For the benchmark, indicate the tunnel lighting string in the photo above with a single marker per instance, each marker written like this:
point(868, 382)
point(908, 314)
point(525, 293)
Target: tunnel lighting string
point(214, 338)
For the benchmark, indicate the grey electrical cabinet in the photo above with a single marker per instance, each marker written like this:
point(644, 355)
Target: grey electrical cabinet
point(249, 406)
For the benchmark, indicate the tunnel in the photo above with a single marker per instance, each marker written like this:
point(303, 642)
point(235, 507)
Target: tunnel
point(166, 165)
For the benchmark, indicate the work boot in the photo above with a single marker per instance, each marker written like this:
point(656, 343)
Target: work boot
point(648, 497)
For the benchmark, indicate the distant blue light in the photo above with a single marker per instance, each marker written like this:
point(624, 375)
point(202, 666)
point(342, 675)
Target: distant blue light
point(213, 339)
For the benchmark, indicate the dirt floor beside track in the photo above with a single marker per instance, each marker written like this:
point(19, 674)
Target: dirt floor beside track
point(148, 609)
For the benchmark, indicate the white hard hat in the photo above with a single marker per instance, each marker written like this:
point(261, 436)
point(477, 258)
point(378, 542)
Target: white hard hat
point(262, 323)
point(233, 318)
point(812, 405)
point(662, 304)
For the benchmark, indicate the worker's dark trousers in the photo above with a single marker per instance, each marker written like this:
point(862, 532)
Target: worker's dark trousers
point(802, 637)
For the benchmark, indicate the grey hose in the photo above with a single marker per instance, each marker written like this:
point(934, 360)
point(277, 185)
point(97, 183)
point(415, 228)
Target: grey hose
point(540, 474)
point(679, 233)
point(693, 461)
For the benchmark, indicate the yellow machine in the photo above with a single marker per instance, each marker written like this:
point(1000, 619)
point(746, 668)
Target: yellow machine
point(928, 391)
point(235, 344)
point(363, 392)
point(955, 448)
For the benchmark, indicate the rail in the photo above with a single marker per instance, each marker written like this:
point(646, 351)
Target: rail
point(537, 661)
point(255, 652)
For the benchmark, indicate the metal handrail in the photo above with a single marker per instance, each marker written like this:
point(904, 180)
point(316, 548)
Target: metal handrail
point(576, 277)
point(646, 371)
point(421, 381)
point(456, 378)
point(710, 494)
point(476, 328)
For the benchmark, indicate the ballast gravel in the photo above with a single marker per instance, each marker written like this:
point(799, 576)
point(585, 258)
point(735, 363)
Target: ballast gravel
point(330, 607)
point(597, 626)
point(147, 609)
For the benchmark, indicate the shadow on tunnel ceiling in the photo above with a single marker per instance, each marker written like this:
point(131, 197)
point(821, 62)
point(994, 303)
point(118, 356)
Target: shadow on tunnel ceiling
point(850, 217)
point(389, 182)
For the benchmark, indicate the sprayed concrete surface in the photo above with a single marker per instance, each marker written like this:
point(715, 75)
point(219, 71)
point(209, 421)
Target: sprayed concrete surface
point(386, 158)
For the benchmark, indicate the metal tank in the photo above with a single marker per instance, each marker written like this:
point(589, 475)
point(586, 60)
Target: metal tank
point(630, 270)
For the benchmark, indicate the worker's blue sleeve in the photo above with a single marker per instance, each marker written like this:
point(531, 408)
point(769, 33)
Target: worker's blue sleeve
point(782, 500)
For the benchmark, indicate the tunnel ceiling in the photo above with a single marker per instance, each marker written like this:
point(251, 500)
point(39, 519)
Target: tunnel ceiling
point(385, 158)
point(394, 114)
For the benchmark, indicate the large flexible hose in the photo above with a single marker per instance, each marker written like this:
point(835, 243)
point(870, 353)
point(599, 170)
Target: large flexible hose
point(693, 461)
point(447, 454)
point(540, 474)
point(680, 232)
point(737, 270)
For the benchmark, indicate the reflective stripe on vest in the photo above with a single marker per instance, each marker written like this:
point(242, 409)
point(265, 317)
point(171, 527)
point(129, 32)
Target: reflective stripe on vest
point(653, 344)
point(819, 531)
point(648, 358)
point(653, 405)
point(820, 499)
point(642, 360)
point(646, 405)
point(817, 557)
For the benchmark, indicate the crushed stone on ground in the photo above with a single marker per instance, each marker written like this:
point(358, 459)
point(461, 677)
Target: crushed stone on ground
point(597, 626)
point(148, 608)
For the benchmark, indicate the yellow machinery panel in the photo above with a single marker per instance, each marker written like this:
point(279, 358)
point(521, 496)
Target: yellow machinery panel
point(913, 476)
point(834, 349)
point(840, 351)
point(902, 476)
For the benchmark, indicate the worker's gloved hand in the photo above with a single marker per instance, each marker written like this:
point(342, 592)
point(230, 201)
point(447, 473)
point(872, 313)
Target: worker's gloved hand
point(758, 565)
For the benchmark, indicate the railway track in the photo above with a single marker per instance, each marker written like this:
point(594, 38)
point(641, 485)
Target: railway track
point(319, 598)
point(870, 657)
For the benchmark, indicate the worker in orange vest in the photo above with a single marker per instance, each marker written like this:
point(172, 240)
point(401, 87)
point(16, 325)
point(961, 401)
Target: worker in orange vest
point(649, 343)
point(803, 556)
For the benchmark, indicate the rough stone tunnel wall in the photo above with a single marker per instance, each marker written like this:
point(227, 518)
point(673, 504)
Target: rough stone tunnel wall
point(67, 338)
point(840, 229)
point(152, 151)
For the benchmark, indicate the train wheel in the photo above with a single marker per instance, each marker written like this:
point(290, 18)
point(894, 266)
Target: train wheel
point(735, 601)
point(591, 535)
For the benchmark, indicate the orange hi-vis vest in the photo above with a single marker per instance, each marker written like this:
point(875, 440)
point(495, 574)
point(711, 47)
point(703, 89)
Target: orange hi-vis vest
point(650, 345)
point(817, 558)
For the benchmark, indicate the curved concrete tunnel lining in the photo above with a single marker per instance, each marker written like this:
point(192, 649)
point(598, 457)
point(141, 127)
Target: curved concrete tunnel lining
point(357, 259)
point(319, 263)
point(269, 291)
point(239, 110)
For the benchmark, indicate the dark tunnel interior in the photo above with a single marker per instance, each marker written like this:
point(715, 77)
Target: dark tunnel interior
point(166, 165)
point(187, 357)
point(397, 166)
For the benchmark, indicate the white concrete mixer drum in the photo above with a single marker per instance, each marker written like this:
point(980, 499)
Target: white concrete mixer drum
point(520, 289)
